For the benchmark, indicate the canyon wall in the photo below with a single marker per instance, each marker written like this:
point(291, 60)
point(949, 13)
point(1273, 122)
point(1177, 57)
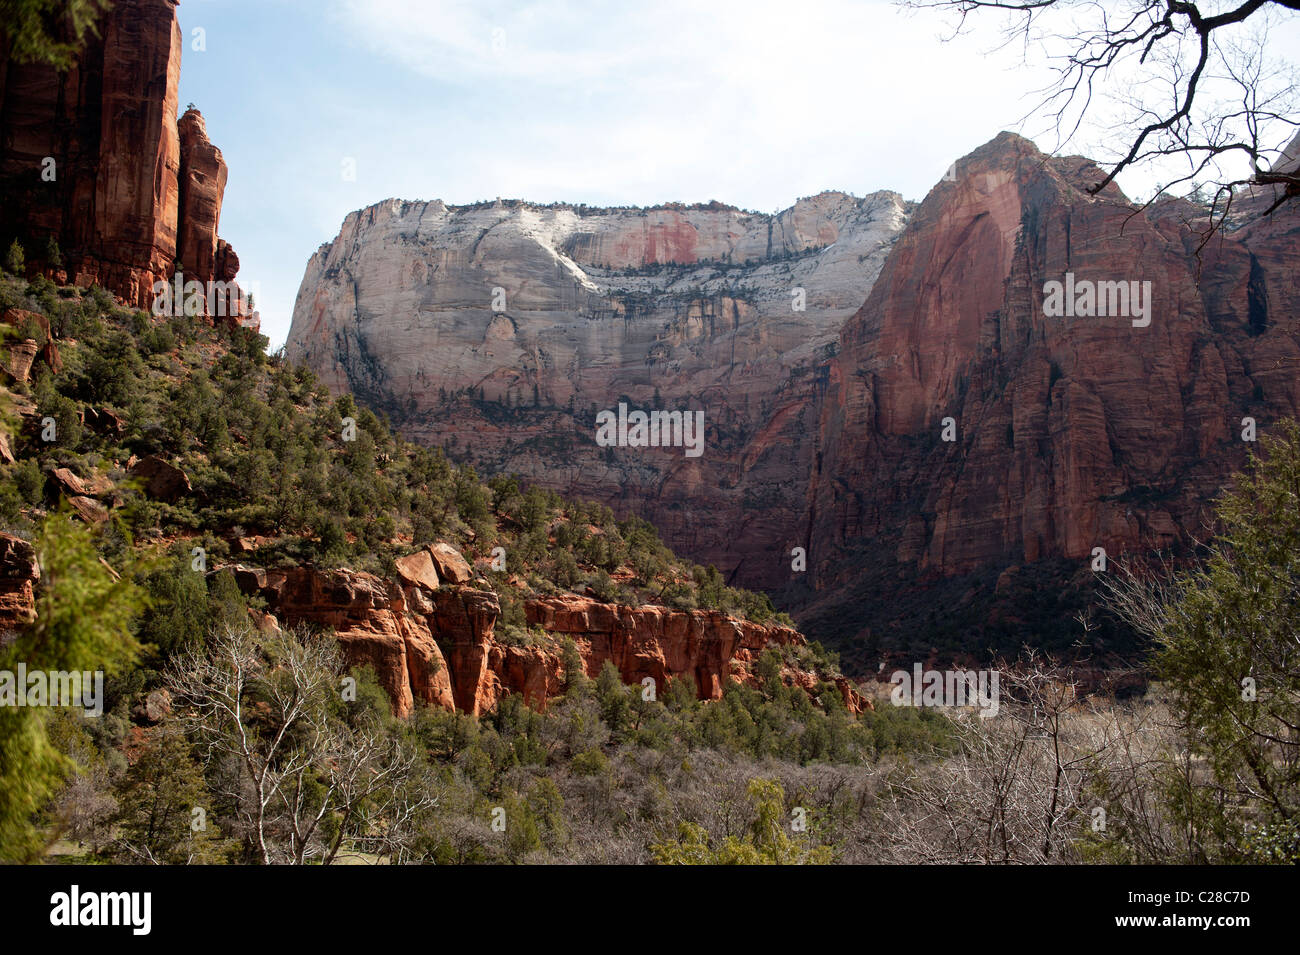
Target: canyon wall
point(95, 159)
point(825, 428)
point(1070, 432)
point(499, 331)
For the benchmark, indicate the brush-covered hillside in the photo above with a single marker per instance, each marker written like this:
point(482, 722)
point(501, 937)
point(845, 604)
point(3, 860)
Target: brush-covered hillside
point(216, 533)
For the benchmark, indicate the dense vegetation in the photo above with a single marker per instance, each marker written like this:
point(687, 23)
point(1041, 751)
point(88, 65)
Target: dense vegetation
point(276, 461)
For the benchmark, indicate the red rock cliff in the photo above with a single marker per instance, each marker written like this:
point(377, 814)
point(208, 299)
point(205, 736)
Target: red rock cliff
point(438, 644)
point(202, 184)
point(1071, 432)
point(95, 158)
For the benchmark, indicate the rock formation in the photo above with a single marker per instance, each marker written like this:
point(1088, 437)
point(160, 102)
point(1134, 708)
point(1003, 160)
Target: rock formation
point(202, 184)
point(160, 478)
point(1071, 433)
point(95, 159)
point(826, 430)
point(19, 572)
point(500, 330)
point(439, 646)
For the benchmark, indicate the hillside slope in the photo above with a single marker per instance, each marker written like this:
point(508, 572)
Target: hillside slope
point(187, 440)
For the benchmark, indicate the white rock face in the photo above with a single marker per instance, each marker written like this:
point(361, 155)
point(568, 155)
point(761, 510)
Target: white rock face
point(499, 330)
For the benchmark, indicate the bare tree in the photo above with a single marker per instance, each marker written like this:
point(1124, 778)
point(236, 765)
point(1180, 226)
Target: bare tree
point(1190, 82)
point(1024, 786)
point(243, 713)
point(262, 708)
point(377, 788)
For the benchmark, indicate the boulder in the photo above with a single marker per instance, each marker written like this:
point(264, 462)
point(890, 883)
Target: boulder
point(89, 509)
point(417, 570)
point(449, 563)
point(154, 708)
point(161, 479)
point(103, 421)
point(20, 317)
point(21, 356)
point(96, 486)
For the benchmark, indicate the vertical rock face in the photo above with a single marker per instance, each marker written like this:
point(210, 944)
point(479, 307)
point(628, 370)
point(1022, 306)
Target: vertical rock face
point(373, 622)
point(136, 182)
point(95, 159)
point(501, 330)
point(1071, 431)
point(201, 189)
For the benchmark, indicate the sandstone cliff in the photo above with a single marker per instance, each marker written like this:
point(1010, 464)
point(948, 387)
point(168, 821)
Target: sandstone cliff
point(96, 159)
point(825, 429)
point(500, 330)
point(1071, 432)
point(438, 645)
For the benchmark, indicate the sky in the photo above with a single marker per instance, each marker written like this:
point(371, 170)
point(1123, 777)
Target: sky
point(752, 103)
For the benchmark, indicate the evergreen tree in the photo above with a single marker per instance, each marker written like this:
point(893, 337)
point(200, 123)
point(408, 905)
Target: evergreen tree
point(766, 843)
point(157, 797)
point(1228, 651)
point(47, 31)
point(84, 619)
point(15, 258)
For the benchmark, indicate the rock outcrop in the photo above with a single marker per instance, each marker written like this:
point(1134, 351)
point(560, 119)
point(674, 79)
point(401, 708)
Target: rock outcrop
point(95, 159)
point(160, 478)
point(23, 354)
point(202, 184)
point(500, 330)
point(371, 620)
point(708, 647)
point(439, 645)
point(19, 572)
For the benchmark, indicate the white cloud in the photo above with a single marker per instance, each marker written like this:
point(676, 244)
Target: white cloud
point(754, 103)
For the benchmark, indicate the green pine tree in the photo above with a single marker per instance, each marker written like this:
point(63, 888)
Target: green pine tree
point(84, 620)
point(16, 258)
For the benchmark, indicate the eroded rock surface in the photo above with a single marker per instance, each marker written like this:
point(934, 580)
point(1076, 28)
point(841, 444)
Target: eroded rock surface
point(439, 645)
point(500, 330)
